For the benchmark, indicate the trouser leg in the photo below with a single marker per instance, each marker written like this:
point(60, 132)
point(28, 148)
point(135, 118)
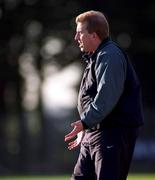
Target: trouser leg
point(84, 168)
point(127, 150)
point(113, 153)
point(109, 157)
point(107, 162)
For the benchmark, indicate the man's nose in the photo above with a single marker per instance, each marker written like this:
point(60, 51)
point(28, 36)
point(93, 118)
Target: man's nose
point(76, 37)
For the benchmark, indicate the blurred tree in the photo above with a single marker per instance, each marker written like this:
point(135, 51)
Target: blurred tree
point(36, 35)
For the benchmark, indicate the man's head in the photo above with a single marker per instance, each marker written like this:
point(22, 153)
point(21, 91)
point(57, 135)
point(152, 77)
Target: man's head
point(92, 28)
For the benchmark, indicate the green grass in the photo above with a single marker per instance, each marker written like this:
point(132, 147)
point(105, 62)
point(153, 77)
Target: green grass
point(141, 177)
point(131, 177)
point(35, 178)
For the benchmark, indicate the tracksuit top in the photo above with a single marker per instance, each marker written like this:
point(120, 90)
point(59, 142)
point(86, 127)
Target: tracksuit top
point(110, 92)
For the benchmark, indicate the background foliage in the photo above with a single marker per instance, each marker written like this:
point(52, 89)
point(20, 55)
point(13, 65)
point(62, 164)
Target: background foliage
point(36, 44)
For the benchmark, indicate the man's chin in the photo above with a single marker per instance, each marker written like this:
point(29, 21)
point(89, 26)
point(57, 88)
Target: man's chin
point(82, 49)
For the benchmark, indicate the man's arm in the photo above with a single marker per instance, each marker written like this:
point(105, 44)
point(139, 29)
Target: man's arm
point(110, 77)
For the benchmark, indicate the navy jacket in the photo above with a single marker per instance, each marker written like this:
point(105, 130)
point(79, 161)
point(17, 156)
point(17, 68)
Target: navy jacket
point(110, 92)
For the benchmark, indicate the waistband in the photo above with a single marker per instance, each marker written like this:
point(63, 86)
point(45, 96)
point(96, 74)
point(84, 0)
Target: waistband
point(102, 126)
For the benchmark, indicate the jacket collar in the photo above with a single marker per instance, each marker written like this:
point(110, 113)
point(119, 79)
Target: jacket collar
point(87, 57)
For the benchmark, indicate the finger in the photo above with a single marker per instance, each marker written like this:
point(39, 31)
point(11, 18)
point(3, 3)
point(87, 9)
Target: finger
point(71, 135)
point(72, 146)
point(71, 143)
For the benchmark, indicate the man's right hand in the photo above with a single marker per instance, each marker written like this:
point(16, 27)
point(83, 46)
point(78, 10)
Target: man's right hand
point(74, 144)
point(78, 131)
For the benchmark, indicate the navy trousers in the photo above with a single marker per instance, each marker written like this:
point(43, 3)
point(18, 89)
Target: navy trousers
point(106, 154)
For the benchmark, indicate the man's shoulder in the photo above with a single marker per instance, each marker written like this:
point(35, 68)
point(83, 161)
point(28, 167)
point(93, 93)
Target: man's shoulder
point(111, 53)
point(111, 46)
point(113, 49)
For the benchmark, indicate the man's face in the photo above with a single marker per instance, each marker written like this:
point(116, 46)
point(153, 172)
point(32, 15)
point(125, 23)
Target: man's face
point(83, 38)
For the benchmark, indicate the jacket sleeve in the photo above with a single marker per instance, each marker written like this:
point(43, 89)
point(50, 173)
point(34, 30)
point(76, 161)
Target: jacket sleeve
point(110, 73)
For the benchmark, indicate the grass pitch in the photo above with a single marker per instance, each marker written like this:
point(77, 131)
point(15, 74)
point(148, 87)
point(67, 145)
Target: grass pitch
point(131, 177)
point(141, 177)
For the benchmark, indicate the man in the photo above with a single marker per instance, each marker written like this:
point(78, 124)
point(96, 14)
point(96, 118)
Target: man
point(109, 104)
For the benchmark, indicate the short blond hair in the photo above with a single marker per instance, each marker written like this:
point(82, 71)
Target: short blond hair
point(96, 22)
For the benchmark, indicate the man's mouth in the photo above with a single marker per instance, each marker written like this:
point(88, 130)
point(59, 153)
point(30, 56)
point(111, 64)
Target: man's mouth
point(80, 45)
